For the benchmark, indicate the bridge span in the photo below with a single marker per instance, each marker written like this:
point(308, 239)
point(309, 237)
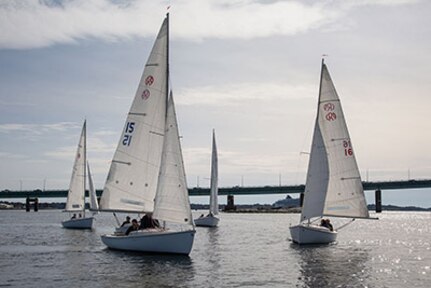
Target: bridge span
point(258, 190)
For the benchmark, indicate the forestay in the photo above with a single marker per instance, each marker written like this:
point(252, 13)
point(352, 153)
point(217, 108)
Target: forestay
point(172, 201)
point(333, 184)
point(76, 194)
point(132, 180)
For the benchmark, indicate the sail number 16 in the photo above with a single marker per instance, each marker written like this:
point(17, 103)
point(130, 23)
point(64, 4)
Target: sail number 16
point(127, 139)
point(348, 151)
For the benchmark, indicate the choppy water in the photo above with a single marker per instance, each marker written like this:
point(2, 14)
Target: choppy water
point(247, 250)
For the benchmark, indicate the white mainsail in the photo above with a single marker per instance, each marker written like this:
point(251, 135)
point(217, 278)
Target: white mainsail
point(76, 195)
point(214, 179)
point(132, 180)
point(172, 199)
point(94, 206)
point(333, 186)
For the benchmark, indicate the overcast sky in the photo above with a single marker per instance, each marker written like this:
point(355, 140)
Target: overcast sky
point(249, 69)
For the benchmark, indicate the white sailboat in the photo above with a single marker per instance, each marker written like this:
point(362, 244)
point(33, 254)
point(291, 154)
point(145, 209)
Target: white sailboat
point(333, 187)
point(211, 220)
point(76, 196)
point(147, 172)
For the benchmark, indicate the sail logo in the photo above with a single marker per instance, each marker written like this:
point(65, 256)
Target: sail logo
point(146, 94)
point(149, 80)
point(331, 116)
point(329, 107)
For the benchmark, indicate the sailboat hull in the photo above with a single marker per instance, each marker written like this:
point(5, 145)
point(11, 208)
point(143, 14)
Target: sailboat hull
point(152, 241)
point(79, 223)
point(207, 221)
point(310, 234)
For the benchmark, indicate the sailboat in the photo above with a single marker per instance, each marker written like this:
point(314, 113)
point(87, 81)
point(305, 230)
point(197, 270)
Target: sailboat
point(211, 220)
point(147, 174)
point(76, 196)
point(333, 186)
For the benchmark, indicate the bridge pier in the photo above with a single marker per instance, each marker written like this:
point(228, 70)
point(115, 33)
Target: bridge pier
point(28, 202)
point(378, 201)
point(230, 203)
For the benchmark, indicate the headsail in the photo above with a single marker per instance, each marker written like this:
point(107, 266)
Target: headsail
point(214, 178)
point(132, 180)
point(94, 206)
point(334, 184)
point(76, 195)
point(172, 200)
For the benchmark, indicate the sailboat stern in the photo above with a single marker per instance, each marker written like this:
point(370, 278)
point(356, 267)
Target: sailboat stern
point(150, 241)
point(207, 221)
point(311, 234)
point(78, 223)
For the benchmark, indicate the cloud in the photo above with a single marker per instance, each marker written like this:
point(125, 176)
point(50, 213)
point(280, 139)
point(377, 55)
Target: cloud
point(7, 155)
point(236, 94)
point(30, 23)
point(38, 129)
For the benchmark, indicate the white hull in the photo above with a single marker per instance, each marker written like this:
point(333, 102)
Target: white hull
point(152, 241)
point(207, 221)
point(310, 234)
point(79, 223)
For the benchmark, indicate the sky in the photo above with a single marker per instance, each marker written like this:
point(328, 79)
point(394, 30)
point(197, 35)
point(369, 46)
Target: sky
point(248, 69)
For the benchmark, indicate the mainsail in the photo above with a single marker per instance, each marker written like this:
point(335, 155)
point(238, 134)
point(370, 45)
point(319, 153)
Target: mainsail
point(132, 180)
point(76, 194)
point(333, 185)
point(214, 179)
point(172, 201)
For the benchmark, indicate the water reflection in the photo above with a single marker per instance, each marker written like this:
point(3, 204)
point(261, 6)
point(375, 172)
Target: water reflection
point(133, 269)
point(332, 266)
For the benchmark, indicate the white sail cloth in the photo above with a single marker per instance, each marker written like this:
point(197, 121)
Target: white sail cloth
point(132, 180)
point(76, 195)
point(214, 178)
point(333, 185)
point(172, 201)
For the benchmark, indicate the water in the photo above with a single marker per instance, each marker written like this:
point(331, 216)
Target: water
point(247, 250)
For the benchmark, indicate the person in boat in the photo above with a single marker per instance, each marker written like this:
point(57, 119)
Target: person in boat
point(73, 216)
point(327, 224)
point(133, 227)
point(127, 221)
point(202, 215)
point(80, 216)
point(148, 222)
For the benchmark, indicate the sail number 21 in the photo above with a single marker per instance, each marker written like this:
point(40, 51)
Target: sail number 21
point(348, 151)
point(127, 139)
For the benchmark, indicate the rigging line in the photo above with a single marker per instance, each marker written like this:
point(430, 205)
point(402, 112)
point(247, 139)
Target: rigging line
point(342, 226)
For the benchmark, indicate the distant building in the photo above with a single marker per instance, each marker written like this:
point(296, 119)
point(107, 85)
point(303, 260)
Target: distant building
point(287, 202)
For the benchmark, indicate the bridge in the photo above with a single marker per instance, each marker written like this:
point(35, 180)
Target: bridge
point(260, 190)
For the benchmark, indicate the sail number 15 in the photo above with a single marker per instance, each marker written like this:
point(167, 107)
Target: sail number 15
point(127, 139)
point(348, 151)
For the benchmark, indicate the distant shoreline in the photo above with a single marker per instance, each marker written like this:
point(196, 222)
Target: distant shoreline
point(245, 208)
